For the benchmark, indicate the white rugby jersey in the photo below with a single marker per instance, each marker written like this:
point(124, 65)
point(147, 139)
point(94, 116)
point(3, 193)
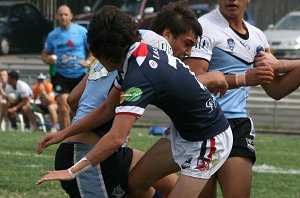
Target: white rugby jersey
point(151, 38)
point(228, 52)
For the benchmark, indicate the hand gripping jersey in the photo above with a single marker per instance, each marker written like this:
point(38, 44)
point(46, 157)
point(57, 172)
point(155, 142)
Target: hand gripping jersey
point(230, 53)
point(153, 77)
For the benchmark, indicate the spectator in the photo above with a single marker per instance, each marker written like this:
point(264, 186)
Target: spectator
point(3, 98)
point(151, 77)
point(68, 43)
point(229, 44)
point(19, 94)
point(44, 99)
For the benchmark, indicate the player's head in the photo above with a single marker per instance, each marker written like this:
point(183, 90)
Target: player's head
point(179, 25)
point(64, 16)
point(111, 33)
point(233, 10)
point(3, 76)
point(13, 77)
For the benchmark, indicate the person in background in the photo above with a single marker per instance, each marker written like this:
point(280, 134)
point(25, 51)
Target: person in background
point(19, 94)
point(44, 99)
point(3, 95)
point(66, 48)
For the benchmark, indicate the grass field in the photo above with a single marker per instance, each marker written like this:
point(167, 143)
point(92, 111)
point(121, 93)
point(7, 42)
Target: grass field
point(276, 172)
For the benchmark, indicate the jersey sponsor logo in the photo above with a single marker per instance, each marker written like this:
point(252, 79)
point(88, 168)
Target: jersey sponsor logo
point(155, 53)
point(203, 164)
point(132, 94)
point(153, 64)
point(245, 45)
point(231, 44)
point(65, 58)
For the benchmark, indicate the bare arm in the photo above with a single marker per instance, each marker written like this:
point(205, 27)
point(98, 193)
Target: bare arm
point(99, 116)
point(47, 58)
point(256, 76)
point(108, 144)
point(287, 75)
point(283, 85)
point(19, 105)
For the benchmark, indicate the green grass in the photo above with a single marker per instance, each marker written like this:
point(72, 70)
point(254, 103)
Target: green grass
point(20, 167)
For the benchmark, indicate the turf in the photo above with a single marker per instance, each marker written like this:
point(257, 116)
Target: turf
point(20, 167)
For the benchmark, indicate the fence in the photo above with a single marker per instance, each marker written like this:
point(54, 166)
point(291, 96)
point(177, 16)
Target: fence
point(29, 67)
point(265, 112)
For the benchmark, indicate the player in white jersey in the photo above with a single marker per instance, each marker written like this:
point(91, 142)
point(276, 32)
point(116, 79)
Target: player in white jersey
point(230, 45)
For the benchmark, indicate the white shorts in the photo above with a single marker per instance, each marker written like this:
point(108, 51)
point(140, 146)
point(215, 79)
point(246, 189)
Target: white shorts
point(200, 159)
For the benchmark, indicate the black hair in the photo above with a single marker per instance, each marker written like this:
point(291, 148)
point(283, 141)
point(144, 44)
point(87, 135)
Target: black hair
point(178, 17)
point(111, 33)
point(14, 74)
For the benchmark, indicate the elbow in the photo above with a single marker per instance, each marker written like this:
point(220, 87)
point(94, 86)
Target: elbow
point(118, 141)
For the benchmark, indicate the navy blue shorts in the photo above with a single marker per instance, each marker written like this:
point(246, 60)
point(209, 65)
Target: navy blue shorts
point(108, 179)
point(64, 85)
point(243, 138)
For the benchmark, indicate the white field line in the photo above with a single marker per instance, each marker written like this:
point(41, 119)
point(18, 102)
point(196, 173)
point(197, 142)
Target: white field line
point(258, 168)
point(18, 153)
point(274, 170)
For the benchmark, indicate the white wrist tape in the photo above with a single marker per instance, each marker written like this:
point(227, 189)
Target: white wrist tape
point(79, 167)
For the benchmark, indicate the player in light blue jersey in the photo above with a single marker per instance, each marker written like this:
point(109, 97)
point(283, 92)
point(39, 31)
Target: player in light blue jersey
point(66, 48)
point(229, 44)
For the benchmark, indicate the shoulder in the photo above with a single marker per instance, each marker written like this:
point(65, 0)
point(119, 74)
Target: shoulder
point(78, 27)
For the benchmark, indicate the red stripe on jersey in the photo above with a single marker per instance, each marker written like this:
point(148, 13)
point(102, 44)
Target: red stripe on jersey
point(212, 148)
point(141, 50)
point(129, 113)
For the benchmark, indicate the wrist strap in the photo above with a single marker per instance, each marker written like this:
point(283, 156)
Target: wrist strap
point(79, 167)
point(240, 80)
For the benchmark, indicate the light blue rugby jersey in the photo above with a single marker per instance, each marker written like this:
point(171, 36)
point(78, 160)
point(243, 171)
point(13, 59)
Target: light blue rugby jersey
point(96, 91)
point(70, 46)
point(228, 52)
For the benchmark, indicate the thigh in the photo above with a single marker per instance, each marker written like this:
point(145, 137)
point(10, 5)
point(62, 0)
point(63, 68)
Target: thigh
point(235, 177)
point(210, 188)
point(188, 186)
point(156, 163)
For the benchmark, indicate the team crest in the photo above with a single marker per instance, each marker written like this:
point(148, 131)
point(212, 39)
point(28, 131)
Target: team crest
point(203, 164)
point(118, 192)
point(231, 44)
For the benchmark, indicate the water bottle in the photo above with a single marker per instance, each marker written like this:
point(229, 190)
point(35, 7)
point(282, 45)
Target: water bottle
point(53, 66)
